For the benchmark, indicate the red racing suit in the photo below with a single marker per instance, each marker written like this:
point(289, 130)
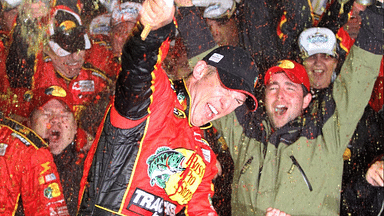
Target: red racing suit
point(83, 87)
point(101, 55)
point(147, 158)
point(37, 71)
point(28, 173)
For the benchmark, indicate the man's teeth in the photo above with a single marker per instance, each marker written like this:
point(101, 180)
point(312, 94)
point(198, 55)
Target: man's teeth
point(280, 108)
point(318, 71)
point(72, 64)
point(213, 109)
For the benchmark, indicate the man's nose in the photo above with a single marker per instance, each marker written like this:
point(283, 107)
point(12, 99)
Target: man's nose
point(55, 119)
point(318, 59)
point(77, 56)
point(280, 93)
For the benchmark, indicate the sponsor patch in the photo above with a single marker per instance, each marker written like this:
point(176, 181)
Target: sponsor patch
point(317, 38)
point(178, 171)
point(47, 178)
point(164, 163)
point(3, 149)
point(41, 180)
point(206, 154)
point(143, 202)
point(58, 208)
point(179, 113)
point(52, 191)
point(84, 86)
point(216, 57)
point(21, 138)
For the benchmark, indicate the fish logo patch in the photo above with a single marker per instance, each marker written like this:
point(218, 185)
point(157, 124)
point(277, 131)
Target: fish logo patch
point(178, 171)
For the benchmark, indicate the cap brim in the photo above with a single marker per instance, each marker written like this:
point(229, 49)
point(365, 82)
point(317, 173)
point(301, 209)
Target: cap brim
point(62, 52)
point(289, 74)
point(234, 83)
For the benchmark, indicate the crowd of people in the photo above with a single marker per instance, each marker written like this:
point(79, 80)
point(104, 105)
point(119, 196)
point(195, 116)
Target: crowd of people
point(192, 107)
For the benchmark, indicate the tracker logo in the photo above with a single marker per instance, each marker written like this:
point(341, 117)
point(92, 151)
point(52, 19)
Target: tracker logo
point(143, 202)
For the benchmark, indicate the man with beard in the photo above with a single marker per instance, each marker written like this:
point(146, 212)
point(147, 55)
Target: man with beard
point(289, 159)
point(52, 118)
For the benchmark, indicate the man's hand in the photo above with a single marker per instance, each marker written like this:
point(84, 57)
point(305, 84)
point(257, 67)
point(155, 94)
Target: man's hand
point(375, 174)
point(353, 24)
point(156, 14)
point(36, 10)
point(275, 212)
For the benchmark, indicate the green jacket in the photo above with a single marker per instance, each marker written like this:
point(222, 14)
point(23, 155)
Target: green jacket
point(267, 172)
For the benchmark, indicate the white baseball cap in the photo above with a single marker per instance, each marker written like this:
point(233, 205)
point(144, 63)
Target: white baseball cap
point(11, 3)
point(317, 40)
point(100, 25)
point(215, 9)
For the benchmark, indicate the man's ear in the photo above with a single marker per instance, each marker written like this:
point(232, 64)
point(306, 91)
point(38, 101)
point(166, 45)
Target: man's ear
point(199, 70)
point(307, 100)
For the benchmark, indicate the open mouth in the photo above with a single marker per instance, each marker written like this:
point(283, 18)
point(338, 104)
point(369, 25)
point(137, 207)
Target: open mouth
point(318, 71)
point(281, 109)
point(213, 110)
point(54, 135)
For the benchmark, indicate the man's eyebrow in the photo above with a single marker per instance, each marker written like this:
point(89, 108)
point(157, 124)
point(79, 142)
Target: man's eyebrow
point(290, 83)
point(273, 83)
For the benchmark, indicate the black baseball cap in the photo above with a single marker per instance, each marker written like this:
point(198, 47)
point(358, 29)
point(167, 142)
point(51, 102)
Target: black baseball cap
point(237, 71)
point(67, 34)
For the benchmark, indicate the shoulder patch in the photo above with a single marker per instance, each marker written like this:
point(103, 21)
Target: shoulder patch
point(179, 113)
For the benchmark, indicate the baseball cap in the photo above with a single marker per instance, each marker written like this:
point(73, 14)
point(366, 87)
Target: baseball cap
point(317, 40)
point(124, 12)
point(39, 97)
point(100, 25)
point(216, 9)
point(295, 72)
point(10, 4)
point(67, 35)
point(237, 71)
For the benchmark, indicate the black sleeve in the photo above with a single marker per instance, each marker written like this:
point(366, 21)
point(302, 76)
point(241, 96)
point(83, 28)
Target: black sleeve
point(194, 31)
point(139, 57)
point(257, 32)
point(299, 18)
point(371, 34)
point(361, 198)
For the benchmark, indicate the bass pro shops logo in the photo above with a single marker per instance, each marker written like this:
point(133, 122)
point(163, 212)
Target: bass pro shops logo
point(178, 171)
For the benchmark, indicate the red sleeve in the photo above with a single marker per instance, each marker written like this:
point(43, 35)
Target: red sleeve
point(345, 41)
point(100, 56)
point(41, 190)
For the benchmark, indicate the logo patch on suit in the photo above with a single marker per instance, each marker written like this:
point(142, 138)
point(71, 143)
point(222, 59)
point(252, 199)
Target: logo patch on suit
point(179, 113)
point(84, 86)
point(47, 178)
point(21, 138)
point(143, 202)
point(52, 191)
point(178, 171)
point(3, 149)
